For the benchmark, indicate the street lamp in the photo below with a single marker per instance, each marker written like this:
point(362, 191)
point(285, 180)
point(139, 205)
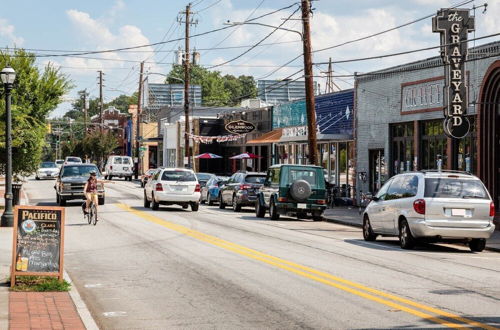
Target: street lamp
point(8, 75)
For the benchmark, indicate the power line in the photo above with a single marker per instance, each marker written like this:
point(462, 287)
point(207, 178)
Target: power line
point(210, 6)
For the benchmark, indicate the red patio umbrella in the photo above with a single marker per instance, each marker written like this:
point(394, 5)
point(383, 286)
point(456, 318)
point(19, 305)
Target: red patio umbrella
point(207, 155)
point(246, 155)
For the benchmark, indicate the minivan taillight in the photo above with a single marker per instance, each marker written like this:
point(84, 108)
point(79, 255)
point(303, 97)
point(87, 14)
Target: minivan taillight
point(492, 209)
point(111, 167)
point(245, 186)
point(159, 187)
point(419, 206)
point(197, 188)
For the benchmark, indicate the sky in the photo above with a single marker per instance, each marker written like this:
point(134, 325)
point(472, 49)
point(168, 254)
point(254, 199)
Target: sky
point(61, 27)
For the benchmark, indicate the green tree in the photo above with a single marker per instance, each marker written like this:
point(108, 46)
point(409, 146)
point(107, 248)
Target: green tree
point(35, 94)
point(122, 102)
point(99, 145)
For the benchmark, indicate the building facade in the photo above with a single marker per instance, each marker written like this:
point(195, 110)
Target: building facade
point(282, 91)
point(399, 121)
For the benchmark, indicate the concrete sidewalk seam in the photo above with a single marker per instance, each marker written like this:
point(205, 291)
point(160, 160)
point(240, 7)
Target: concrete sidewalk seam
point(80, 305)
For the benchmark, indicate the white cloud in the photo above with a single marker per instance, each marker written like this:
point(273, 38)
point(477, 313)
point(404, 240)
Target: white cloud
point(7, 30)
point(489, 21)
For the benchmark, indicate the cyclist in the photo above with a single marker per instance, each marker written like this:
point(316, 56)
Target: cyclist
point(90, 190)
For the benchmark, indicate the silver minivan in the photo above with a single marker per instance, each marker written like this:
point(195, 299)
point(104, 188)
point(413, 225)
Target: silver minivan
point(431, 205)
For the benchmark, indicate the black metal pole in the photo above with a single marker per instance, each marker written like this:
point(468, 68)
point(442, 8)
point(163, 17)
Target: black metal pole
point(8, 215)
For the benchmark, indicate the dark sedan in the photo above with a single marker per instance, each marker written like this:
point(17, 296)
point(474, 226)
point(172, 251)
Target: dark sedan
point(241, 190)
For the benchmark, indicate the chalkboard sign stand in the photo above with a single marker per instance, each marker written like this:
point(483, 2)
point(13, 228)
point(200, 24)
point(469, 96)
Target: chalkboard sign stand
point(55, 233)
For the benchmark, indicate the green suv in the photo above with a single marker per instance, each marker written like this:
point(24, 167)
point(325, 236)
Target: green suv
point(292, 189)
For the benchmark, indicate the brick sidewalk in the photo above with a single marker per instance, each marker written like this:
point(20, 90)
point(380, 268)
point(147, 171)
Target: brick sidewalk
point(43, 310)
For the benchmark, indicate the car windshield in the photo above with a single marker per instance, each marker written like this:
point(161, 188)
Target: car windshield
point(59, 161)
point(79, 170)
point(301, 174)
point(178, 176)
point(48, 165)
point(255, 179)
point(454, 188)
point(204, 176)
point(74, 160)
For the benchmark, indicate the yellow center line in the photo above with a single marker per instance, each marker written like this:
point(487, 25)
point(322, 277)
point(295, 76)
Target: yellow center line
point(316, 275)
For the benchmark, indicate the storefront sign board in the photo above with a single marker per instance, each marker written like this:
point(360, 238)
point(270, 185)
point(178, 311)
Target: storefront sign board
point(240, 127)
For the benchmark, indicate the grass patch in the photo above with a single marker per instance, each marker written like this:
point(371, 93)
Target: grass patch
point(40, 284)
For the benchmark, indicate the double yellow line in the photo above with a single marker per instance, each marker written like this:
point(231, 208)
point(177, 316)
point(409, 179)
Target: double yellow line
point(438, 316)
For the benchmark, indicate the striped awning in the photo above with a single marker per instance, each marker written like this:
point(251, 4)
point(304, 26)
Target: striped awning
point(269, 137)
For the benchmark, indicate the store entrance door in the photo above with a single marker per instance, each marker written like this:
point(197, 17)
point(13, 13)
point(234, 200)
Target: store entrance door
point(489, 132)
point(377, 170)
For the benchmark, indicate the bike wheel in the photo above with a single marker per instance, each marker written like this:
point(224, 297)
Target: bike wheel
point(94, 214)
point(89, 216)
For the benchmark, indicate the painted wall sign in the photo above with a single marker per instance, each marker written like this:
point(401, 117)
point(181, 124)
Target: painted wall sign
point(240, 127)
point(38, 242)
point(422, 95)
point(454, 25)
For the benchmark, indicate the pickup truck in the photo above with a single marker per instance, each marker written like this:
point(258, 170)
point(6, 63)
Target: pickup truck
point(71, 180)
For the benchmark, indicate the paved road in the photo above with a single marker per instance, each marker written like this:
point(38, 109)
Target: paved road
point(173, 268)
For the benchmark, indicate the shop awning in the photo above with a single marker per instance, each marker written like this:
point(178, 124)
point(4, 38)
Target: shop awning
point(269, 137)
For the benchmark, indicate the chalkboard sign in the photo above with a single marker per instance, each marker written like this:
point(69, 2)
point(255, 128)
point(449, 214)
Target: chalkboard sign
point(38, 241)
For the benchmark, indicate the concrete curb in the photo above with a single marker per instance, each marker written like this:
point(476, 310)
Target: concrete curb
point(356, 225)
point(80, 305)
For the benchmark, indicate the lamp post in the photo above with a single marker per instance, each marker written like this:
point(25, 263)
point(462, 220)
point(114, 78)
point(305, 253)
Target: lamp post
point(8, 75)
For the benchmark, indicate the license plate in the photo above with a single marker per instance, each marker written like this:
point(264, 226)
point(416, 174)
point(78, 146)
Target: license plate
point(125, 168)
point(302, 206)
point(180, 188)
point(458, 212)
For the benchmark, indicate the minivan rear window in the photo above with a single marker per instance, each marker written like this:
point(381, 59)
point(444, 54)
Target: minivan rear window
point(454, 188)
point(178, 176)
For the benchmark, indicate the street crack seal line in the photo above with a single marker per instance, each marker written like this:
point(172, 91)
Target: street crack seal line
point(319, 276)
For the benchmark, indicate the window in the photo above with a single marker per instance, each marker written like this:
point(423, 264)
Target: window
point(126, 160)
point(403, 186)
point(255, 179)
point(454, 188)
point(309, 176)
point(433, 145)
point(383, 191)
point(48, 165)
point(178, 176)
point(79, 170)
point(402, 147)
point(395, 190)
point(117, 160)
point(274, 175)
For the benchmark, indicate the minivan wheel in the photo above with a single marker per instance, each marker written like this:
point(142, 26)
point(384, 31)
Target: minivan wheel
point(147, 203)
point(368, 233)
point(406, 239)
point(477, 244)
point(195, 206)
point(154, 205)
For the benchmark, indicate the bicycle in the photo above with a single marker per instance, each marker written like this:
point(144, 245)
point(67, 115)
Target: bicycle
point(364, 201)
point(91, 216)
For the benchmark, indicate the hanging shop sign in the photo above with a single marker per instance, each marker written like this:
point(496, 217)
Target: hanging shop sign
point(219, 138)
point(454, 25)
point(240, 127)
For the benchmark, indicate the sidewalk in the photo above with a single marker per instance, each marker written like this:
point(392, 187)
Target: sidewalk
point(350, 216)
point(31, 310)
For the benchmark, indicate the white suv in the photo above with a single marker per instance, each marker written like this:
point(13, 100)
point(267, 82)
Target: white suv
point(431, 205)
point(170, 186)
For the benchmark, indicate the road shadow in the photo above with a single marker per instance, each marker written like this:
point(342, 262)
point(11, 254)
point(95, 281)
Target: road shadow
point(486, 321)
point(76, 224)
point(394, 243)
point(162, 209)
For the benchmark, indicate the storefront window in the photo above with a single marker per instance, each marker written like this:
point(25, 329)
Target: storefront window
point(433, 145)
point(343, 169)
point(467, 149)
point(402, 147)
point(333, 163)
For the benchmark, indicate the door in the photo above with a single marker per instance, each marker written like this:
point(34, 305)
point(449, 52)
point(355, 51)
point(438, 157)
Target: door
point(390, 207)
point(377, 170)
point(376, 208)
point(271, 185)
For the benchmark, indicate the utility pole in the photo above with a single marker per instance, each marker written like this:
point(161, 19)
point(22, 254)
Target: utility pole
point(329, 79)
point(85, 111)
point(311, 113)
point(188, 22)
point(138, 123)
point(100, 101)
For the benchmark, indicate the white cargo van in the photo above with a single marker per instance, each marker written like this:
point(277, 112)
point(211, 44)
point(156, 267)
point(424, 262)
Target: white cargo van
point(120, 166)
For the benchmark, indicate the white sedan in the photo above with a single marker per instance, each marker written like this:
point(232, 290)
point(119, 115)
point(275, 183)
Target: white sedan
point(47, 170)
point(172, 186)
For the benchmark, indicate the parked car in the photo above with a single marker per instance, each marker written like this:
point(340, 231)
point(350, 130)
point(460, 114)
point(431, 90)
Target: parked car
point(433, 206)
point(59, 162)
point(292, 190)
point(72, 160)
point(210, 192)
point(120, 166)
point(47, 170)
point(146, 176)
point(203, 178)
point(241, 190)
point(71, 181)
point(170, 186)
